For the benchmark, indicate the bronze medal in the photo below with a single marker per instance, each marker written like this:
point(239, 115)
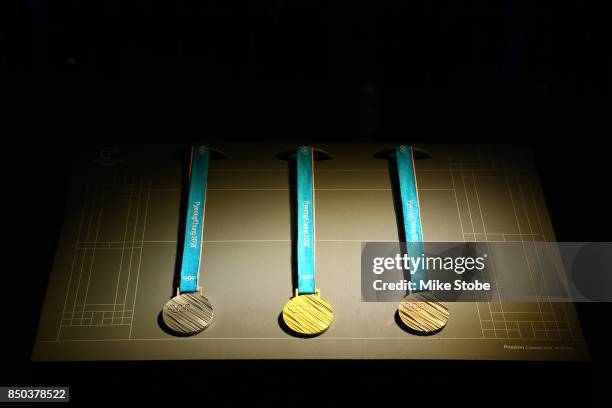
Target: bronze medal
point(422, 314)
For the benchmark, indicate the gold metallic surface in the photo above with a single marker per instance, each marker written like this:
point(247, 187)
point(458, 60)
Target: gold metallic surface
point(308, 315)
point(423, 314)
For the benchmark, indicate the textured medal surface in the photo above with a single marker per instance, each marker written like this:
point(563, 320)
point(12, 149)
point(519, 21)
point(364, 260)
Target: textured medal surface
point(188, 313)
point(308, 315)
point(422, 313)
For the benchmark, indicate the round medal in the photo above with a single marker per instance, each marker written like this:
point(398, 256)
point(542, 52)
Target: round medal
point(422, 313)
point(308, 315)
point(187, 313)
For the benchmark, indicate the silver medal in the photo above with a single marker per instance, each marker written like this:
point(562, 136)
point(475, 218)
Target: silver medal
point(188, 313)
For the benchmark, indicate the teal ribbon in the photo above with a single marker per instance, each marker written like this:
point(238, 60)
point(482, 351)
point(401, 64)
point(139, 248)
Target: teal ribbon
point(194, 223)
point(410, 209)
point(305, 221)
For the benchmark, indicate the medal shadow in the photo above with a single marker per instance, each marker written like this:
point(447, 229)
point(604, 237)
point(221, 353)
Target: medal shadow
point(184, 157)
point(292, 174)
point(166, 329)
point(286, 329)
point(397, 202)
point(400, 323)
point(290, 158)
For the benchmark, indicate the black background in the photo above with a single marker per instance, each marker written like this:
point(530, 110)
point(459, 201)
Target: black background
point(75, 73)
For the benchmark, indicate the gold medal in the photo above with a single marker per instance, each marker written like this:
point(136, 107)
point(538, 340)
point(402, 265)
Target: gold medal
point(308, 315)
point(422, 314)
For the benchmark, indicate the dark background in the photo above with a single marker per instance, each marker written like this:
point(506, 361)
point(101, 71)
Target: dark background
point(74, 73)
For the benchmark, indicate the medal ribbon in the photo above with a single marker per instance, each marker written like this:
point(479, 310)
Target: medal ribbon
point(194, 223)
point(305, 221)
point(411, 211)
